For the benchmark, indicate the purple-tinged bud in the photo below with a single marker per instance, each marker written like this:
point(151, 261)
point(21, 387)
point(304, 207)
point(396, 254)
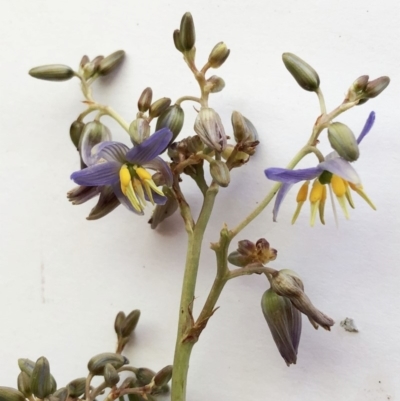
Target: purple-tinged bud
point(214, 84)
point(82, 194)
point(209, 128)
point(187, 32)
point(218, 55)
point(144, 101)
point(139, 130)
point(343, 141)
point(302, 72)
point(248, 252)
point(159, 106)
point(172, 118)
point(52, 72)
point(163, 376)
point(111, 62)
point(84, 60)
point(376, 87)
point(284, 322)
point(220, 173)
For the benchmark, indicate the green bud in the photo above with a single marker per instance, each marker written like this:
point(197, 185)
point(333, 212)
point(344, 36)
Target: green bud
point(130, 323)
point(145, 376)
point(164, 389)
point(75, 132)
point(111, 62)
point(27, 366)
point(163, 376)
point(144, 101)
point(92, 67)
point(187, 32)
point(343, 141)
point(41, 383)
point(218, 55)
point(76, 387)
point(159, 106)
point(24, 384)
point(214, 84)
point(52, 72)
point(111, 376)
point(220, 173)
point(161, 212)
point(376, 87)
point(106, 204)
point(208, 126)
point(119, 321)
point(97, 364)
point(177, 41)
point(360, 84)
point(60, 395)
point(302, 72)
point(284, 322)
point(10, 394)
point(172, 118)
point(129, 382)
point(139, 130)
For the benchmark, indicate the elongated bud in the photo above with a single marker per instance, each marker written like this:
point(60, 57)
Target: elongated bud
point(111, 376)
point(177, 41)
point(97, 364)
point(41, 383)
point(187, 32)
point(376, 87)
point(302, 72)
point(209, 128)
point(130, 323)
point(27, 366)
point(52, 72)
point(162, 212)
point(111, 62)
point(360, 84)
point(24, 384)
point(214, 84)
point(220, 173)
point(243, 129)
point(75, 132)
point(76, 387)
point(92, 67)
point(173, 118)
point(10, 394)
point(81, 194)
point(218, 55)
point(60, 395)
point(119, 321)
point(145, 375)
point(144, 101)
point(163, 376)
point(159, 106)
point(343, 141)
point(139, 130)
point(106, 204)
point(284, 322)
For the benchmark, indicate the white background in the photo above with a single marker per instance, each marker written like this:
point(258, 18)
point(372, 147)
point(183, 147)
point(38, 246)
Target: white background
point(63, 279)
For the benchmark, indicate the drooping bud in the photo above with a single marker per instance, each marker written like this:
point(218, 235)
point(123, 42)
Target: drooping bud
point(144, 101)
point(288, 284)
point(81, 194)
point(302, 72)
point(145, 375)
point(119, 321)
point(52, 72)
point(284, 322)
point(139, 130)
point(76, 387)
point(159, 106)
point(111, 62)
point(75, 132)
point(173, 118)
point(177, 41)
point(10, 394)
point(161, 212)
point(248, 253)
point(130, 323)
point(220, 173)
point(24, 384)
point(209, 128)
point(187, 32)
point(97, 363)
point(41, 383)
point(214, 84)
point(106, 204)
point(376, 87)
point(218, 55)
point(163, 376)
point(111, 376)
point(343, 141)
point(239, 127)
point(60, 395)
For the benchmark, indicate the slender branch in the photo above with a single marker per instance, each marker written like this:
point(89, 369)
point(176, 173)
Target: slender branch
point(186, 98)
point(87, 387)
point(321, 100)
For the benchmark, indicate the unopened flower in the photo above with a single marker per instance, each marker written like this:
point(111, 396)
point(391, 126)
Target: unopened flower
point(125, 170)
point(209, 128)
point(338, 173)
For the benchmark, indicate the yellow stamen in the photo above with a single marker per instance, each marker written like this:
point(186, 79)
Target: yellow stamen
point(297, 212)
point(125, 178)
point(138, 188)
point(338, 185)
point(314, 208)
point(363, 195)
point(143, 173)
point(316, 191)
point(348, 195)
point(321, 207)
point(130, 193)
point(303, 192)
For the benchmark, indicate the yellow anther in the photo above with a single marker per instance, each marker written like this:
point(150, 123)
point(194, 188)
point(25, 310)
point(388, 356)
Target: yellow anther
point(124, 176)
point(338, 185)
point(316, 191)
point(143, 173)
point(303, 192)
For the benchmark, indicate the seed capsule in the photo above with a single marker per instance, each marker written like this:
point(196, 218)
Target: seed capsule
point(52, 72)
point(111, 62)
point(10, 394)
point(97, 364)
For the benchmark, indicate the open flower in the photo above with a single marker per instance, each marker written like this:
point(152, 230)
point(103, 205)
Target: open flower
point(125, 170)
point(338, 173)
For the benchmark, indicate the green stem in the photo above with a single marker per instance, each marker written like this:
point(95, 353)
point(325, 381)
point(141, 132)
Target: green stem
point(191, 98)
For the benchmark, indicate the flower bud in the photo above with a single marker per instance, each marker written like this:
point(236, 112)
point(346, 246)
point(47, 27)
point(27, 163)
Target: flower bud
point(248, 252)
point(119, 321)
point(243, 129)
point(111, 376)
point(284, 322)
point(214, 84)
point(52, 72)
point(75, 132)
point(10, 394)
point(41, 383)
point(163, 376)
point(187, 32)
point(60, 395)
point(144, 101)
point(343, 141)
point(24, 384)
point(220, 173)
point(177, 41)
point(92, 67)
point(376, 87)
point(360, 84)
point(139, 130)
point(161, 212)
point(209, 128)
point(302, 72)
point(239, 159)
point(145, 376)
point(76, 387)
point(81, 194)
point(97, 364)
point(218, 55)
point(111, 62)
point(159, 106)
point(84, 60)
point(106, 204)
point(172, 118)
point(130, 323)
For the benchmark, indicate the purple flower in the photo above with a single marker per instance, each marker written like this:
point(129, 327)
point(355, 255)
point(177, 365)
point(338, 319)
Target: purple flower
point(334, 170)
point(124, 169)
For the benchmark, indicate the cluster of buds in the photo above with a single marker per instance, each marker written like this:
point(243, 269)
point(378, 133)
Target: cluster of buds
point(124, 326)
point(362, 89)
point(250, 253)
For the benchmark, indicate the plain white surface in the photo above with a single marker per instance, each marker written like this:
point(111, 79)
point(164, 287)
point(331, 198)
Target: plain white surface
point(63, 279)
